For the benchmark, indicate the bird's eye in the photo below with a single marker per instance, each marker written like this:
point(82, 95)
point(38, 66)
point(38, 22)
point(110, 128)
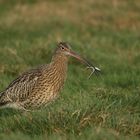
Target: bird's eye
point(62, 48)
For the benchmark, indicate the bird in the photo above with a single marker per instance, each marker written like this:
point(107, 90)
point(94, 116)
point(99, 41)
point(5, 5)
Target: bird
point(36, 88)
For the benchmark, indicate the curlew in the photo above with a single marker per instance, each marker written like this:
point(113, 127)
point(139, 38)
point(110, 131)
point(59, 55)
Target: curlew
point(38, 87)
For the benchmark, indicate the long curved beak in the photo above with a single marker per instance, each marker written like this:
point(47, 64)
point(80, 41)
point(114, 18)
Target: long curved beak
point(83, 60)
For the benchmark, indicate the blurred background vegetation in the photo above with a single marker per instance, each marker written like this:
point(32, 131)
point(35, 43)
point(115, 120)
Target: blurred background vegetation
point(107, 32)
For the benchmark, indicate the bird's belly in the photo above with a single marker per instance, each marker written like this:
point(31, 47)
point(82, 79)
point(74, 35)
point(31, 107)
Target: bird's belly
point(40, 100)
point(43, 95)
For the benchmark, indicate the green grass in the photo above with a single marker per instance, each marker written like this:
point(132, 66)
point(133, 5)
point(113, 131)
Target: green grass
point(107, 33)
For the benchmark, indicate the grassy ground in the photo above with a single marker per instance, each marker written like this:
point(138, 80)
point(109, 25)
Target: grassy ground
point(105, 32)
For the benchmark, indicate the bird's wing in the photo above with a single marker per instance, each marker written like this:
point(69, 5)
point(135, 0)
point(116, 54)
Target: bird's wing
point(21, 87)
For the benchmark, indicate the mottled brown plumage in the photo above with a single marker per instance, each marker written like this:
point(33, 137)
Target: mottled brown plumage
point(38, 87)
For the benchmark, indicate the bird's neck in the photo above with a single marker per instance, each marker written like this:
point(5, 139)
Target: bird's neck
point(59, 61)
point(59, 65)
point(58, 68)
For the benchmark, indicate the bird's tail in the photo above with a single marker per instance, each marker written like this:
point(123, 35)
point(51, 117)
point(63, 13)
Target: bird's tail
point(3, 102)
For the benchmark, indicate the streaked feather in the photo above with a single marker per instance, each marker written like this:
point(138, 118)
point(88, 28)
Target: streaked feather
point(21, 87)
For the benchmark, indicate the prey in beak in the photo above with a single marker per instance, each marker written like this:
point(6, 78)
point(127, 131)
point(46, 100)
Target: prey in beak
point(94, 69)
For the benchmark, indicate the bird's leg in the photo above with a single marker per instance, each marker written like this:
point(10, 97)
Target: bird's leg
point(26, 112)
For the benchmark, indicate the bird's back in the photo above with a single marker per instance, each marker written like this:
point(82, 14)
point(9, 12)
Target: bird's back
point(21, 88)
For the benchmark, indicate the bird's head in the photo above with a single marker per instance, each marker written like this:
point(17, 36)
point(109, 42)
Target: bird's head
point(65, 48)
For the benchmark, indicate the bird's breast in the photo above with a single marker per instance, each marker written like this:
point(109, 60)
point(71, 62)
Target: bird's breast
point(53, 79)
